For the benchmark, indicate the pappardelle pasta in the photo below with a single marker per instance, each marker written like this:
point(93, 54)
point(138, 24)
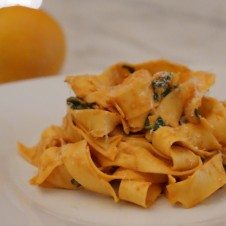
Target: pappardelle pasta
point(135, 132)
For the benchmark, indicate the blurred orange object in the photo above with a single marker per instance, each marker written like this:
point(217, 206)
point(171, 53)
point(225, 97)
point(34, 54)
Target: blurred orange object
point(31, 44)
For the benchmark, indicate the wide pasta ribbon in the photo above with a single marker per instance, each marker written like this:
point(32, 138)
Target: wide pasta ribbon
point(132, 98)
point(205, 181)
point(77, 160)
point(215, 113)
point(95, 122)
point(202, 82)
point(174, 103)
point(139, 192)
point(107, 146)
point(51, 137)
point(140, 159)
point(51, 171)
point(195, 137)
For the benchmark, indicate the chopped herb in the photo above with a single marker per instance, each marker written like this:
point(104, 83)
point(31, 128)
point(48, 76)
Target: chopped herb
point(197, 113)
point(162, 81)
point(162, 85)
point(78, 104)
point(74, 182)
point(148, 125)
point(128, 68)
point(159, 123)
point(156, 97)
point(167, 91)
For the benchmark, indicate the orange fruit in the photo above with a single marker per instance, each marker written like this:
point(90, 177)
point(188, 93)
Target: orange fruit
point(31, 44)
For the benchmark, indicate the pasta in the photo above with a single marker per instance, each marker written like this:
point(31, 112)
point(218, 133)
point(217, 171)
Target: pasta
point(136, 132)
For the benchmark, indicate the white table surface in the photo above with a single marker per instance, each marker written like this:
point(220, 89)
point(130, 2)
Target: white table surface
point(102, 32)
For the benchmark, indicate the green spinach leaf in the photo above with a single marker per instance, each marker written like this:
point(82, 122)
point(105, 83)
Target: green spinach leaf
point(78, 104)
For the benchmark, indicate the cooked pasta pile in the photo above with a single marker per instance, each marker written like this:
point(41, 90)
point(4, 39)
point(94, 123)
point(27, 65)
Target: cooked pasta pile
point(136, 132)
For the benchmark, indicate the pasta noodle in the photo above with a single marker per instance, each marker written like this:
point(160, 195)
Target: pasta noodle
point(136, 132)
point(140, 192)
point(200, 185)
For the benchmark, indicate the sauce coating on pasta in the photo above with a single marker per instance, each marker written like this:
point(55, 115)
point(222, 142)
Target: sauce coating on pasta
point(135, 132)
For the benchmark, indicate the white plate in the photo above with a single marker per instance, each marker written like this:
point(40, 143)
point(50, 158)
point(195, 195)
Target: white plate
point(26, 108)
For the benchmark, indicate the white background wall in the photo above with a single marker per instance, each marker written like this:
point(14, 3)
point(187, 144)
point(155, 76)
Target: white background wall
point(101, 32)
